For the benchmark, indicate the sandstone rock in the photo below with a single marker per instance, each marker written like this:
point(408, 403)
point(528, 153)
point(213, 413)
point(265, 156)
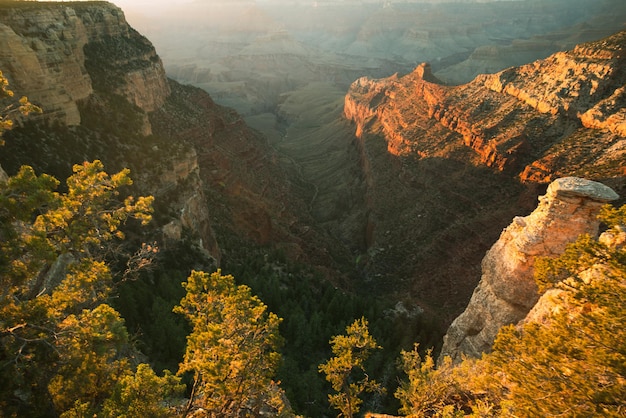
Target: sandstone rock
point(554, 301)
point(614, 238)
point(182, 167)
point(609, 113)
point(49, 70)
point(189, 201)
point(173, 230)
point(539, 121)
point(147, 88)
point(507, 291)
point(550, 303)
point(42, 55)
point(195, 216)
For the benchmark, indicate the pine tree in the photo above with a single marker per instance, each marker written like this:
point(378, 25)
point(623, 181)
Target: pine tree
point(346, 370)
point(232, 350)
point(61, 345)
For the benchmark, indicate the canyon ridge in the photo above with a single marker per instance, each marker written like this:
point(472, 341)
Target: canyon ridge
point(378, 147)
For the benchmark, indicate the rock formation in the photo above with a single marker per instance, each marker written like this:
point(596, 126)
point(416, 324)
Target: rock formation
point(66, 58)
point(413, 203)
point(539, 120)
point(507, 291)
point(89, 70)
point(416, 209)
point(43, 48)
point(454, 164)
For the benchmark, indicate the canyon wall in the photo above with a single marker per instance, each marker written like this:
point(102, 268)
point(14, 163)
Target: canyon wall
point(106, 87)
point(507, 290)
point(454, 164)
point(434, 174)
point(540, 121)
point(42, 52)
point(78, 60)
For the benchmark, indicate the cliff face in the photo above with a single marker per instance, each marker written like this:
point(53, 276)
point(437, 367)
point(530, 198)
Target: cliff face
point(105, 84)
point(448, 167)
point(538, 121)
point(247, 193)
point(43, 52)
point(98, 79)
point(507, 291)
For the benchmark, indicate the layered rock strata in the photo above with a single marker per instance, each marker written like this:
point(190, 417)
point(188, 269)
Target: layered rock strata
point(67, 57)
point(42, 52)
point(563, 115)
point(507, 290)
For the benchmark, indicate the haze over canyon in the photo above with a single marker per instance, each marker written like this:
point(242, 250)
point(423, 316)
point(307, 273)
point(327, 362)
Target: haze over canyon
point(286, 66)
point(402, 161)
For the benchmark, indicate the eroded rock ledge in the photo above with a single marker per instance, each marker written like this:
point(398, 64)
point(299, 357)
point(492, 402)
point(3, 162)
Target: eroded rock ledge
point(507, 291)
point(42, 52)
point(539, 121)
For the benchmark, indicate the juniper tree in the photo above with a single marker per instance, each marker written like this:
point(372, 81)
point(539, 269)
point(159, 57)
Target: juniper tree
point(346, 370)
point(62, 347)
point(232, 349)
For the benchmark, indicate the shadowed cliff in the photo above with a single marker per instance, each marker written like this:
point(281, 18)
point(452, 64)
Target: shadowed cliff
point(468, 158)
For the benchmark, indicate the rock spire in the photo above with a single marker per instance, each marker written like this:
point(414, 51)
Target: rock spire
point(507, 290)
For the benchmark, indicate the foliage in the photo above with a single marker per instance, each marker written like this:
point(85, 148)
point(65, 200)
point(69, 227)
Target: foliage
point(576, 363)
point(39, 225)
point(12, 109)
point(63, 349)
point(143, 394)
point(571, 364)
point(428, 389)
point(351, 351)
point(232, 349)
point(612, 216)
point(314, 310)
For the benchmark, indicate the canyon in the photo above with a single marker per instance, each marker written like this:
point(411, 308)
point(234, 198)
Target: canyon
point(382, 151)
point(345, 149)
point(530, 135)
point(178, 143)
point(286, 67)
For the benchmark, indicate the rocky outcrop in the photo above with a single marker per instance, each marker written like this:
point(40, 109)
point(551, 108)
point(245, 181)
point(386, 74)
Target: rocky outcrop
point(555, 300)
point(578, 80)
point(608, 114)
point(43, 52)
point(73, 58)
point(180, 185)
point(538, 121)
point(507, 291)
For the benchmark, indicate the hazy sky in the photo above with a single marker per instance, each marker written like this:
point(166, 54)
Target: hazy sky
point(148, 3)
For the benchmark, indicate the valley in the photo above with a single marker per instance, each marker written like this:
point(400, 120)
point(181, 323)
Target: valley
point(286, 68)
point(344, 159)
